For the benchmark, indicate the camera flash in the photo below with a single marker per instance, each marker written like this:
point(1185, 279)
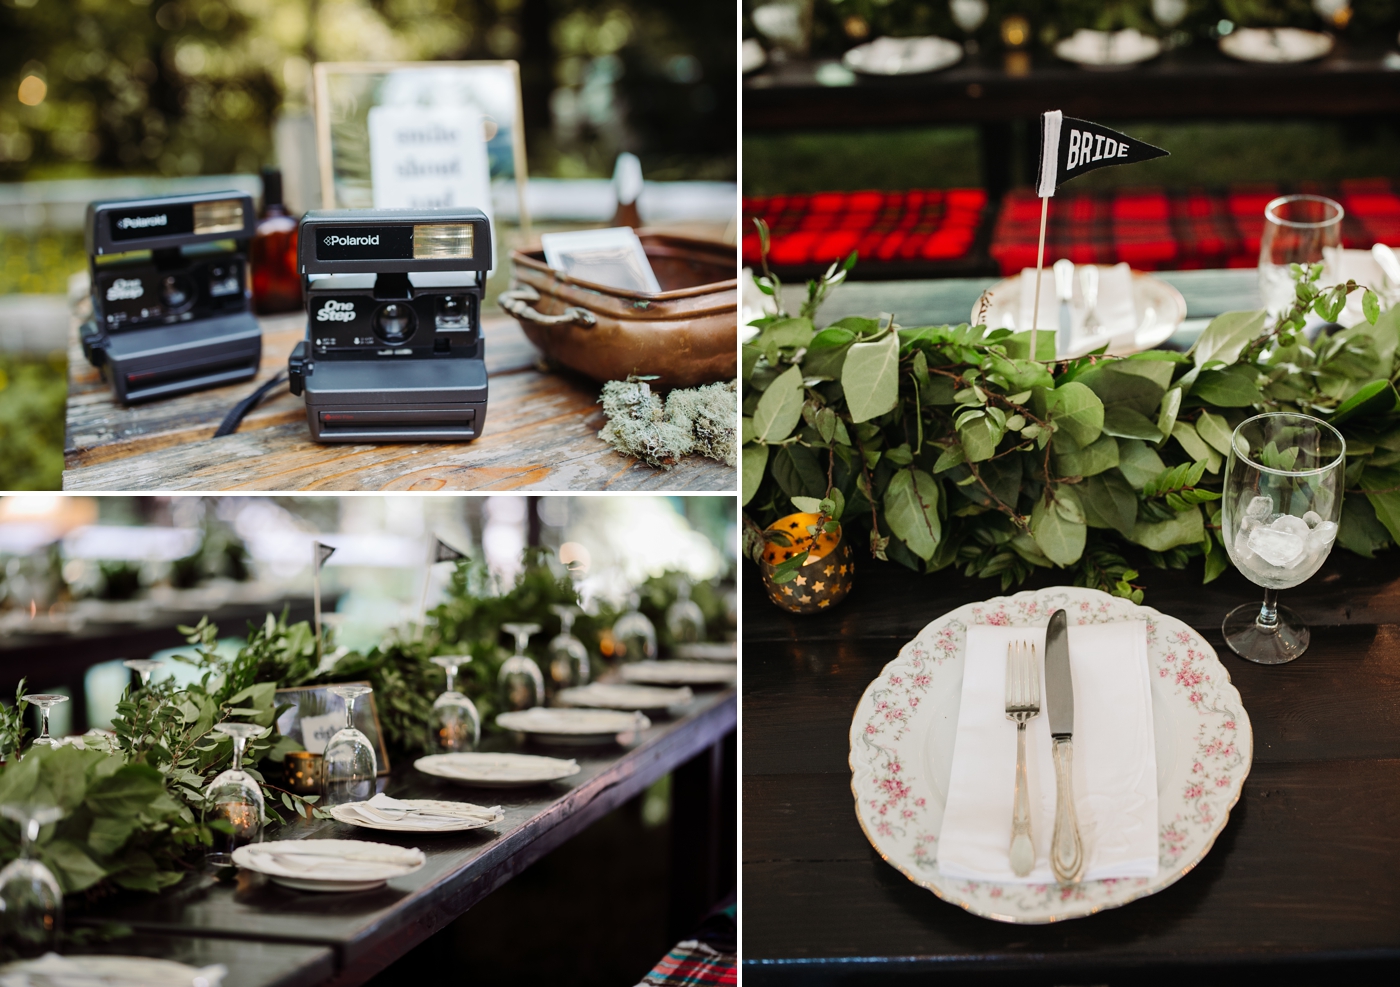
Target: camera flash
point(441, 242)
point(220, 216)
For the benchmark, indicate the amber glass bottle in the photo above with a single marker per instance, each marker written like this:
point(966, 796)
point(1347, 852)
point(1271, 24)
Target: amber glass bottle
point(273, 256)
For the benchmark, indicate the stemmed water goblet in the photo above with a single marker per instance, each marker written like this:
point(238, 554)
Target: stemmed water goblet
point(685, 621)
point(234, 797)
point(969, 15)
point(568, 658)
point(520, 678)
point(1279, 514)
point(31, 902)
point(45, 702)
point(633, 634)
point(143, 667)
point(350, 763)
point(455, 721)
point(1298, 229)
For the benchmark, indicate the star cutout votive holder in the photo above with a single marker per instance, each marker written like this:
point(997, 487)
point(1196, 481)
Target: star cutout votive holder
point(822, 581)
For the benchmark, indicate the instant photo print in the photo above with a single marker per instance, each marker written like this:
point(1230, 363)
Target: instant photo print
point(393, 349)
point(170, 294)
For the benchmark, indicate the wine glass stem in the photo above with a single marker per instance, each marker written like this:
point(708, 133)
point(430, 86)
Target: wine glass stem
point(350, 711)
point(238, 743)
point(44, 717)
point(451, 679)
point(29, 832)
point(1268, 613)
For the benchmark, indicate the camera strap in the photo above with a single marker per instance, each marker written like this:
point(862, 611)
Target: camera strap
point(235, 417)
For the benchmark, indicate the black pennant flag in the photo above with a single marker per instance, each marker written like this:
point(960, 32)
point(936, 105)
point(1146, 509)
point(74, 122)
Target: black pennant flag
point(1071, 147)
point(446, 553)
point(323, 552)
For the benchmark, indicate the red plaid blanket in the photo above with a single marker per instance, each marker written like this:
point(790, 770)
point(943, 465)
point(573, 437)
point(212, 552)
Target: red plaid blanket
point(692, 963)
point(922, 224)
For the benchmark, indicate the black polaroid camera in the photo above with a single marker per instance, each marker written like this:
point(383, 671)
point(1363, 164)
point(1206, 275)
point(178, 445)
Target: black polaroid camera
point(393, 349)
point(170, 294)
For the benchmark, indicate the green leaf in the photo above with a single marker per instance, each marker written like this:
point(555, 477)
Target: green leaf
point(1227, 336)
point(1126, 423)
point(780, 408)
point(1077, 410)
point(1167, 412)
point(783, 333)
point(1370, 306)
point(1216, 431)
point(979, 437)
point(126, 791)
point(1109, 502)
point(1375, 399)
point(870, 378)
point(1387, 504)
point(1195, 447)
point(1159, 372)
point(1229, 388)
point(949, 458)
point(1138, 462)
point(746, 435)
point(1217, 561)
point(911, 510)
point(754, 462)
point(900, 455)
point(76, 871)
point(1099, 455)
point(1061, 540)
point(797, 471)
point(1186, 528)
point(808, 505)
point(109, 833)
point(1359, 530)
point(827, 352)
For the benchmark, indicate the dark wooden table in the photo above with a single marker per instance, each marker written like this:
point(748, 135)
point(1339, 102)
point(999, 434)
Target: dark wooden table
point(1194, 82)
point(367, 931)
point(249, 964)
point(541, 434)
point(1303, 884)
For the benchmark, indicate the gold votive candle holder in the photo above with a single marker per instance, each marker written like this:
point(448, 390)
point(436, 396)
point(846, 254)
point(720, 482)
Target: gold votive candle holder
point(305, 772)
point(823, 580)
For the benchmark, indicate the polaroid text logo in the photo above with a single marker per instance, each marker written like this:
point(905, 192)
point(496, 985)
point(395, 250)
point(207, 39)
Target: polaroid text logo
point(141, 222)
point(334, 311)
point(351, 241)
point(125, 289)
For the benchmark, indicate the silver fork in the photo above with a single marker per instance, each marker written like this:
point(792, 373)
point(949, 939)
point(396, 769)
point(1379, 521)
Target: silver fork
point(1022, 705)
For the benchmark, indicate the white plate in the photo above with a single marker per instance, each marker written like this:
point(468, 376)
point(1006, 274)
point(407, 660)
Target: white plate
point(903, 56)
point(375, 864)
point(679, 673)
point(575, 726)
point(1276, 45)
point(52, 970)
point(752, 57)
point(350, 818)
point(1108, 49)
point(605, 695)
point(902, 753)
point(1159, 307)
point(708, 651)
point(482, 770)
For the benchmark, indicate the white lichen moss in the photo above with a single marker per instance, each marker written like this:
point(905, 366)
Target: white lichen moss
point(697, 420)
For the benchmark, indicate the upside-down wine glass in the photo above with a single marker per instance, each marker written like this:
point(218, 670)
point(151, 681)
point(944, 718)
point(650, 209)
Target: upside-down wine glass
point(143, 667)
point(456, 723)
point(1282, 501)
point(568, 658)
point(45, 702)
point(634, 637)
point(31, 902)
point(685, 621)
point(350, 763)
point(522, 684)
point(234, 797)
point(1298, 229)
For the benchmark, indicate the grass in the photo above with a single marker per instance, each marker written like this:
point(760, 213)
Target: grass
point(1209, 154)
point(32, 395)
point(39, 263)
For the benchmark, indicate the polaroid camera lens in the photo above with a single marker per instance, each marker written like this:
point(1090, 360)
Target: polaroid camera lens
point(393, 323)
point(177, 292)
point(452, 311)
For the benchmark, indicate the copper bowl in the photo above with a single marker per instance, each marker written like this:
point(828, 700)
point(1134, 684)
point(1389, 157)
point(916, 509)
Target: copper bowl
point(685, 336)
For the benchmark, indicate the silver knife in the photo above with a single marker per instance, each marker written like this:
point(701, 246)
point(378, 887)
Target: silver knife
point(1064, 291)
point(1066, 850)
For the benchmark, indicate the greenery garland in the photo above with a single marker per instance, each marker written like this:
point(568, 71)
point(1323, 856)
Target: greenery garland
point(949, 446)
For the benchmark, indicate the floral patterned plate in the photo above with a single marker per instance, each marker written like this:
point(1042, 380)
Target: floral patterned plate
point(902, 753)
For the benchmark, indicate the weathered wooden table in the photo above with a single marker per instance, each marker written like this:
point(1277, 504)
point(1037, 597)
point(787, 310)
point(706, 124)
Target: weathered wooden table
point(364, 932)
point(1303, 885)
point(541, 434)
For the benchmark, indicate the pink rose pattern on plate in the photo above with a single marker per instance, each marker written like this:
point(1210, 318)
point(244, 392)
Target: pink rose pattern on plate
point(901, 813)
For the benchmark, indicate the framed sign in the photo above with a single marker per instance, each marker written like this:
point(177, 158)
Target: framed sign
point(405, 135)
point(317, 713)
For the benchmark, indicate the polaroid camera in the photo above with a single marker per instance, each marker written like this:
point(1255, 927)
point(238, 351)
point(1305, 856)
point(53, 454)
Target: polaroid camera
point(170, 294)
point(393, 349)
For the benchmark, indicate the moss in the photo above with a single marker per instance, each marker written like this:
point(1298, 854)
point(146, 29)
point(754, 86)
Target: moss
point(697, 420)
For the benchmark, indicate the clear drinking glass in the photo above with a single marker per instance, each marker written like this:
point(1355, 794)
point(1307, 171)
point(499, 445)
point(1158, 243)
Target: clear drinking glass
point(1297, 229)
point(969, 16)
point(31, 902)
point(685, 621)
point(568, 658)
point(45, 702)
point(455, 721)
point(143, 667)
point(522, 684)
point(350, 764)
point(1279, 513)
point(633, 635)
point(234, 796)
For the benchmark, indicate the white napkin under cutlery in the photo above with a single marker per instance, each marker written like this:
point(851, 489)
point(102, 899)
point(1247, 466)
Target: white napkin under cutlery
point(421, 813)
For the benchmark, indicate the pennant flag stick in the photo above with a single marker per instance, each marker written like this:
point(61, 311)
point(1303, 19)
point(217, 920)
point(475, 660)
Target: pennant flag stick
point(438, 551)
point(319, 554)
point(1068, 148)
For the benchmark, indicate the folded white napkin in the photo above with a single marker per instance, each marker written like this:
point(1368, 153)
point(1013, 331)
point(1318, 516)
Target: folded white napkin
point(503, 767)
point(1115, 762)
point(1116, 312)
point(425, 814)
point(52, 970)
